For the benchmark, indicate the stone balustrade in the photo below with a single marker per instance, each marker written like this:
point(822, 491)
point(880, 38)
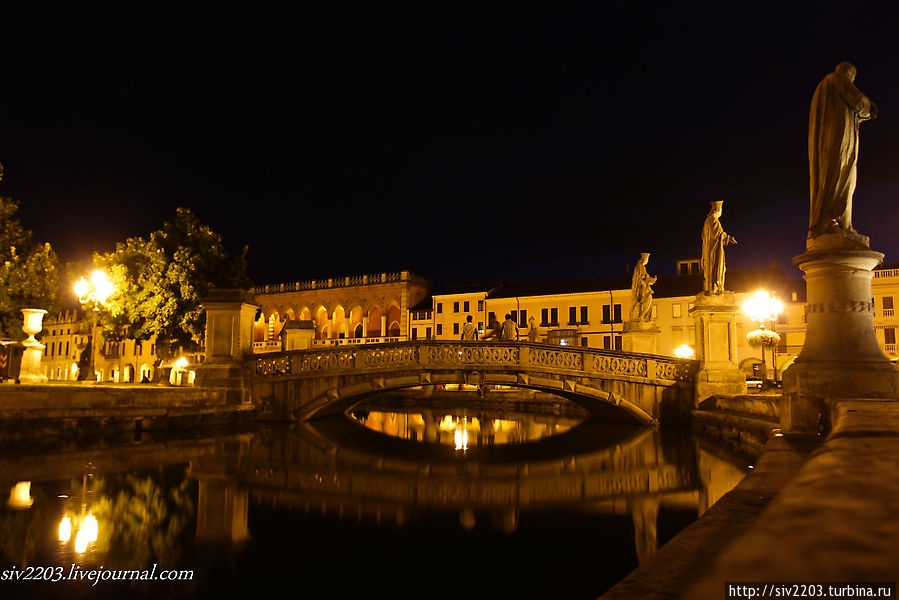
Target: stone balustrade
point(474, 355)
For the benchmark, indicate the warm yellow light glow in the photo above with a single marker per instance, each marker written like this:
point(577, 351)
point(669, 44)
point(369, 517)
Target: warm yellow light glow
point(447, 423)
point(20, 495)
point(762, 307)
point(81, 287)
point(81, 541)
point(98, 289)
point(684, 351)
point(74, 368)
point(181, 363)
point(461, 439)
point(65, 529)
point(90, 527)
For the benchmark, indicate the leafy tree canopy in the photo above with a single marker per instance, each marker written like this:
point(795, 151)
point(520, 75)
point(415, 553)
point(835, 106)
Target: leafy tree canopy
point(160, 282)
point(29, 272)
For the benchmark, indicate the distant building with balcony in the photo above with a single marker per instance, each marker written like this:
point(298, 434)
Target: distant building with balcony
point(344, 310)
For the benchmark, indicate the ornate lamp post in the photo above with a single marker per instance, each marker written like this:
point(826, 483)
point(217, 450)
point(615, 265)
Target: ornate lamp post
point(763, 307)
point(92, 295)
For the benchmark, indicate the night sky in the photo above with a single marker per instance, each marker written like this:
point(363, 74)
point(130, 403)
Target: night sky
point(461, 142)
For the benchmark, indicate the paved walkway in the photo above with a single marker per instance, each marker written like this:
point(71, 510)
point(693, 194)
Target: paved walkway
point(837, 520)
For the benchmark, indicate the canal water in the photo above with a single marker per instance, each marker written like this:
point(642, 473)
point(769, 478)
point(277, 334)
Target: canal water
point(445, 496)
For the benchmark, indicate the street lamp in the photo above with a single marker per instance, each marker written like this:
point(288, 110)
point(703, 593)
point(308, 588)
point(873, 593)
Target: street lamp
point(763, 307)
point(92, 295)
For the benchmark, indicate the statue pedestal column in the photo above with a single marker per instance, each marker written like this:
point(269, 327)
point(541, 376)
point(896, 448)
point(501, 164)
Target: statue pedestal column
point(841, 357)
point(715, 317)
point(229, 341)
point(640, 336)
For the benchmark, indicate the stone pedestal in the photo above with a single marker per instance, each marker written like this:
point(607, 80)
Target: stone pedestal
point(841, 357)
point(31, 372)
point(639, 336)
point(715, 318)
point(297, 335)
point(229, 340)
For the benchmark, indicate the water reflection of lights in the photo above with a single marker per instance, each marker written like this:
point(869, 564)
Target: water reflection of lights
point(461, 436)
point(465, 431)
point(84, 524)
point(20, 496)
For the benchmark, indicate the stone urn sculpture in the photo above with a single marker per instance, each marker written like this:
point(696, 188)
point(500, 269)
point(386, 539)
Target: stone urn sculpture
point(31, 359)
point(34, 318)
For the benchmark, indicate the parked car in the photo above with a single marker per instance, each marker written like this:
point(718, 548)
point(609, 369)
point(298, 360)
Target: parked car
point(753, 383)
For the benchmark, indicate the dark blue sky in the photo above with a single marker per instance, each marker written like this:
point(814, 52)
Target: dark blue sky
point(462, 142)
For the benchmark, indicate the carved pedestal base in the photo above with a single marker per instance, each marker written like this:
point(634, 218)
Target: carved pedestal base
point(223, 375)
point(30, 371)
point(715, 317)
point(841, 357)
point(640, 337)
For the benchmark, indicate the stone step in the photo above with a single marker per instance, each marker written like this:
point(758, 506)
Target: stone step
point(761, 406)
point(748, 433)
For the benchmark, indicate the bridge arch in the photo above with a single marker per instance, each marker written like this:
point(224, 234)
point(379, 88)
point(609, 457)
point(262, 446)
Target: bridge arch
point(596, 401)
point(638, 387)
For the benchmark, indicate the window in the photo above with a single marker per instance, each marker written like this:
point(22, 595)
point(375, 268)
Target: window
point(67, 348)
point(572, 315)
point(887, 302)
point(544, 316)
point(607, 342)
point(455, 307)
point(694, 267)
point(440, 308)
point(584, 341)
point(52, 346)
point(523, 318)
point(617, 342)
point(554, 316)
point(465, 306)
point(480, 327)
point(491, 318)
point(455, 329)
point(684, 268)
point(480, 305)
point(439, 328)
point(414, 333)
point(428, 333)
point(889, 335)
point(584, 319)
point(137, 348)
point(616, 316)
point(514, 315)
point(606, 314)
point(676, 309)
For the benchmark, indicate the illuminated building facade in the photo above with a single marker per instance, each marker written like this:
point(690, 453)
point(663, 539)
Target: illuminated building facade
point(65, 336)
point(346, 310)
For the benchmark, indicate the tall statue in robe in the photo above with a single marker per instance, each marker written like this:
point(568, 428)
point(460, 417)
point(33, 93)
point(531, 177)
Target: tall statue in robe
point(641, 291)
point(838, 107)
point(714, 239)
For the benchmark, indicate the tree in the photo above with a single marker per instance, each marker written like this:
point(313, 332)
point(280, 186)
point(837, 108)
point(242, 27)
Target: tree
point(160, 283)
point(29, 272)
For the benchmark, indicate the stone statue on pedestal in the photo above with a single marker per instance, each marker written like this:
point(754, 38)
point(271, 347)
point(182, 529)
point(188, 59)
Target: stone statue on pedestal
point(641, 291)
point(838, 107)
point(714, 239)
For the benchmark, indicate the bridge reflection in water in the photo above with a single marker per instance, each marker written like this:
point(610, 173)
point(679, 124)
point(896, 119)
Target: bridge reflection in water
point(574, 510)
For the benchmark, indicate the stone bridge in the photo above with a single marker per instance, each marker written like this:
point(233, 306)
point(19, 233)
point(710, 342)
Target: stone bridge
point(635, 387)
